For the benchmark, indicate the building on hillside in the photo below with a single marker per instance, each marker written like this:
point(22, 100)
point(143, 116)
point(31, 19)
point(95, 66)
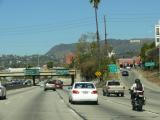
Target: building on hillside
point(123, 62)
point(137, 60)
point(69, 58)
point(157, 34)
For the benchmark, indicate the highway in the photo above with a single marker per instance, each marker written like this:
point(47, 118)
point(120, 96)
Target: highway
point(33, 103)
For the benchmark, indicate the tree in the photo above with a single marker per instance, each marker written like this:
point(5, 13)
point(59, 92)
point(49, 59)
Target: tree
point(50, 64)
point(145, 48)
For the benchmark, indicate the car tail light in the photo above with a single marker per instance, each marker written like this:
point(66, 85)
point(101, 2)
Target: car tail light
point(75, 92)
point(94, 92)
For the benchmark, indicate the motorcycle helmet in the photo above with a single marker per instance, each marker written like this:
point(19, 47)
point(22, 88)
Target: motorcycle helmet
point(137, 80)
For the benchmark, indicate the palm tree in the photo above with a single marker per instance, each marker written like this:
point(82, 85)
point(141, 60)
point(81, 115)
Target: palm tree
point(95, 5)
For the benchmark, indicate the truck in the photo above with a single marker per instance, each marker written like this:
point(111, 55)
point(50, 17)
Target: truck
point(113, 87)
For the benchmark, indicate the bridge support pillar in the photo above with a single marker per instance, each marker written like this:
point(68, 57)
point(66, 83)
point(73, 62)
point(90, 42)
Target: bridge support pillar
point(72, 79)
point(34, 78)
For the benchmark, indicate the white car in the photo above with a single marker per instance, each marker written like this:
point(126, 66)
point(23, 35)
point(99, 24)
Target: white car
point(2, 92)
point(50, 85)
point(83, 92)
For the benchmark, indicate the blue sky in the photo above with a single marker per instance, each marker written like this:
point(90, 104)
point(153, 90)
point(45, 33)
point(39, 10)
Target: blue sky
point(34, 26)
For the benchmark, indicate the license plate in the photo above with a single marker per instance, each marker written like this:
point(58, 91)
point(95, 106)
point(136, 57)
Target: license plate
point(140, 95)
point(85, 92)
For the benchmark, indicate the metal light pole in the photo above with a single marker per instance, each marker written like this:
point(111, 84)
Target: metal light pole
point(38, 61)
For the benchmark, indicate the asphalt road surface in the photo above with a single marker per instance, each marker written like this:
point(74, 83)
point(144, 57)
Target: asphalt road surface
point(35, 104)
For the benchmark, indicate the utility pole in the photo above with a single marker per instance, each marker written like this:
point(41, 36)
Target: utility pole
point(106, 43)
point(37, 60)
point(105, 30)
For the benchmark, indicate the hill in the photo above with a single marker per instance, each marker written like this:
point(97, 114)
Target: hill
point(122, 48)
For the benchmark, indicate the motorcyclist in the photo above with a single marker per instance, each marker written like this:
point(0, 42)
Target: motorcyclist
point(137, 87)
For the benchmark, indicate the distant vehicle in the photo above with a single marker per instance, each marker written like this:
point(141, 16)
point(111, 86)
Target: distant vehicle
point(113, 87)
point(15, 69)
point(50, 85)
point(59, 84)
point(41, 84)
point(125, 73)
point(128, 67)
point(83, 92)
point(2, 92)
point(27, 82)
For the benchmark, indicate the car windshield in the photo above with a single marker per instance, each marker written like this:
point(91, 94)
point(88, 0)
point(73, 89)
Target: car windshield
point(84, 85)
point(113, 83)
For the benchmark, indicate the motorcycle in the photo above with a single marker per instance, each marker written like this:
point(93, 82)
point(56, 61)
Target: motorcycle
point(137, 100)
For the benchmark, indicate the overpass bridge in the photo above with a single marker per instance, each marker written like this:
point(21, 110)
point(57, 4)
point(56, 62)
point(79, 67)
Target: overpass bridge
point(36, 72)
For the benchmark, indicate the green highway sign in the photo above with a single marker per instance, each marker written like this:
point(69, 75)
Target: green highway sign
point(113, 68)
point(148, 64)
point(62, 72)
point(30, 71)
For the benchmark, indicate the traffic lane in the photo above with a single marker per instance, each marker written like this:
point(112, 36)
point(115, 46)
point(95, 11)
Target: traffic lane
point(36, 105)
point(152, 105)
point(148, 84)
point(152, 94)
point(19, 91)
point(152, 97)
point(129, 80)
point(108, 109)
point(149, 93)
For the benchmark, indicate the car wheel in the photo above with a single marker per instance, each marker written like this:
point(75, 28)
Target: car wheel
point(122, 94)
point(104, 93)
point(72, 102)
point(4, 97)
point(108, 94)
point(96, 102)
point(133, 108)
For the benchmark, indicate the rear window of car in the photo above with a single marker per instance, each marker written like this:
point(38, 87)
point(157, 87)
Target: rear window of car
point(59, 82)
point(84, 85)
point(125, 72)
point(113, 83)
point(51, 82)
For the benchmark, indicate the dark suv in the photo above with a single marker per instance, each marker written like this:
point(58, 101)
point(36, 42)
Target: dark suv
point(125, 73)
point(59, 84)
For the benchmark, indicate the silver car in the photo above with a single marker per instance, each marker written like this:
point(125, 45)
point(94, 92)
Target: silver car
point(50, 85)
point(2, 92)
